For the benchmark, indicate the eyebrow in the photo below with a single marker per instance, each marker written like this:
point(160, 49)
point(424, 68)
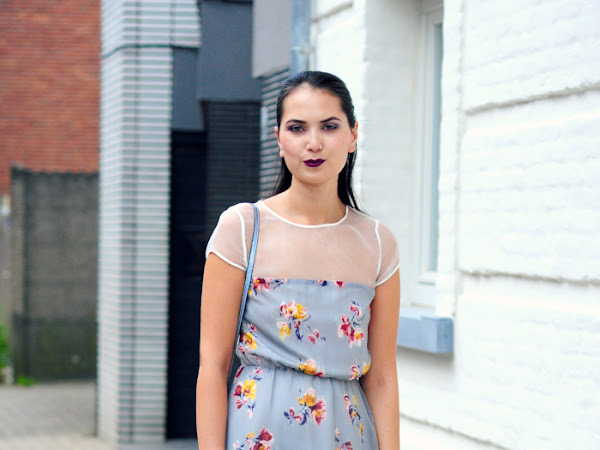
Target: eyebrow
point(304, 122)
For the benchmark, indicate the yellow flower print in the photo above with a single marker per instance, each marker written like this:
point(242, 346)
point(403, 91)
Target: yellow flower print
point(310, 368)
point(309, 399)
point(248, 339)
point(300, 312)
point(284, 329)
point(310, 406)
point(297, 317)
point(250, 435)
point(249, 389)
point(366, 368)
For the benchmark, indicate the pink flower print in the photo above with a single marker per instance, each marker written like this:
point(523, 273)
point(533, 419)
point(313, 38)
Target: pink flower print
point(343, 445)
point(356, 373)
point(246, 392)
point(310, 367)
point(263, 441)
point(353, 413)
point(310, 406)
point(314, 336)
point(350, 326)
point(258, 284)
point(296, 317)
point(247, 340)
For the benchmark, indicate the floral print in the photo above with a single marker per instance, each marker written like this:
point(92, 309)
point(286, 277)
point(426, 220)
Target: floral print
point(324, 283)
point(310, 406)
point(338, 440)
point(353, 413)
point(258, 284)
point(247, 339)
point(263, 441)
point(310, 368)
point(296, 316)
point(350, 326)
point(295, 368)
point(356, 372)
point(246, 391)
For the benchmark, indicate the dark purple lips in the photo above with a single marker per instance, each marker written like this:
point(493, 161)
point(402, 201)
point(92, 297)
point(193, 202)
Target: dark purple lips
point(314, 162)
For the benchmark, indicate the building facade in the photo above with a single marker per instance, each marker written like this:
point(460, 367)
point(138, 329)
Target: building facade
point(478, 146)
point(179, 144)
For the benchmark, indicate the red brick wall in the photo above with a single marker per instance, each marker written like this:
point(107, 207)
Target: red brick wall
point(49, 85)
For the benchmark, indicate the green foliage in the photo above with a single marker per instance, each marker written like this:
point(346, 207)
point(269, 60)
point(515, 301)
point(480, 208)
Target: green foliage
point(25, 381)
point(4, 348)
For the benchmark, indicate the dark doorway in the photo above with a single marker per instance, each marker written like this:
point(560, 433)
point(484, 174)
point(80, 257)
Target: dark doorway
point(188, 242)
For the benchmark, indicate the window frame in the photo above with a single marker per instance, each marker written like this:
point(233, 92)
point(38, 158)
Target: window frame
point(423, 286)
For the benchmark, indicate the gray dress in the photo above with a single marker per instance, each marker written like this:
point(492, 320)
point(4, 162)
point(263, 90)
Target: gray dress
point(303, 347)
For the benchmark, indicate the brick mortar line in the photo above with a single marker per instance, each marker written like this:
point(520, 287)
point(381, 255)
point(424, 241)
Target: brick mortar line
point(566, 92)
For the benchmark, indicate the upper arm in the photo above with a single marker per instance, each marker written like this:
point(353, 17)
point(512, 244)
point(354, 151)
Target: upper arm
point(222, 290)
point(383, 328)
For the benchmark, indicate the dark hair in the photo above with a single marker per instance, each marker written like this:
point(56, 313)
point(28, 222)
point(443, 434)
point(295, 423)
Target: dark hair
point(332, 84)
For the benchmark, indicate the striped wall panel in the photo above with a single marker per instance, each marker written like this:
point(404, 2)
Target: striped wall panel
point(174, 23)
point(269, 152)
point(136, 93)
point(232, 161)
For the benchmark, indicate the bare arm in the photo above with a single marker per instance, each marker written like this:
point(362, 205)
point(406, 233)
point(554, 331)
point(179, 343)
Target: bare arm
point(381, 382)
point(221, 296)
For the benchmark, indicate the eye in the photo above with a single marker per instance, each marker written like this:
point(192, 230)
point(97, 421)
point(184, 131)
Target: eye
point(295, 128)
point(330, 127)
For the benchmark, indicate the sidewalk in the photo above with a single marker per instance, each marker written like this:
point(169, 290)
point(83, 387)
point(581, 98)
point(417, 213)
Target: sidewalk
point(57, 416)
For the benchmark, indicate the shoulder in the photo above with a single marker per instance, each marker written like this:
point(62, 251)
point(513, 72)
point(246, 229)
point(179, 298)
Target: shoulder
point(369, 223)
point(236, 215)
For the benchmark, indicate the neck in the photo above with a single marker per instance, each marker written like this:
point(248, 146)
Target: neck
point(311, 205)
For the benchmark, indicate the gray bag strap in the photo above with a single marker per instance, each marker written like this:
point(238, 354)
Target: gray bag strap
point(247, 282)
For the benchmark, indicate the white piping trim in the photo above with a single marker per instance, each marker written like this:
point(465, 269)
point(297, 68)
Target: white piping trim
point(304, 226)
point(379, 244)
point(389, 276)
point(226, 260)
point(243, 229)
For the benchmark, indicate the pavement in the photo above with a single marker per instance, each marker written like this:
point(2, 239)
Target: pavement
point(53, 416)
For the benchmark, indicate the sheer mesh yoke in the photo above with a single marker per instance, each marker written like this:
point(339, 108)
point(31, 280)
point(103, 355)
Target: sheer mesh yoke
point(357, 249)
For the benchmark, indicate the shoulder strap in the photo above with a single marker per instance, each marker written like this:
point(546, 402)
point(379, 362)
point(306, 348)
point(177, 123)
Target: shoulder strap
point(247, 282)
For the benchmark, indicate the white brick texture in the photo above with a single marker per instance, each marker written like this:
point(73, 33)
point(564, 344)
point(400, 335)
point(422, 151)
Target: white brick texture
point(519, 209)
point(521, 49)
point(530, 183)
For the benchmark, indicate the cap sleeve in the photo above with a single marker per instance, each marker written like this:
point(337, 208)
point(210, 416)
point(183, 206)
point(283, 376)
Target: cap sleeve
point(389, 259)
point(229, 240)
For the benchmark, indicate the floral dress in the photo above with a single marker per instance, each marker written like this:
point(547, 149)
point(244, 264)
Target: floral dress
point(303, 342)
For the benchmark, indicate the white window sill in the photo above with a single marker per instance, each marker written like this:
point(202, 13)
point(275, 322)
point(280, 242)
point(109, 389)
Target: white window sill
point(420, 329)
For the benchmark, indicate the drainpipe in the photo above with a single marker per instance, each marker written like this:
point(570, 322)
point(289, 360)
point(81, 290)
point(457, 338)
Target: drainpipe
point(300, 51)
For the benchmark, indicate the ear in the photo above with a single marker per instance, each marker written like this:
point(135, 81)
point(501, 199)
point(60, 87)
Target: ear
point(354, 138)
point(276, 129)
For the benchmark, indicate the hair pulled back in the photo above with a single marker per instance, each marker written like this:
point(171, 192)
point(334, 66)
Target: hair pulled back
point(335, 86)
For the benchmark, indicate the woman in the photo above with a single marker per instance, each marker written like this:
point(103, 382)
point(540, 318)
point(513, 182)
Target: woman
point(319, 333)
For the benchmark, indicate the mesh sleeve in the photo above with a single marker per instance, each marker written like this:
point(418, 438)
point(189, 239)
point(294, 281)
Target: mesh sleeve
point(389, 259)
point(229, 238)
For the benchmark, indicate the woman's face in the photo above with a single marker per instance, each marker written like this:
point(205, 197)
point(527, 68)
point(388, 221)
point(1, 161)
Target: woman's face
point(314, 135)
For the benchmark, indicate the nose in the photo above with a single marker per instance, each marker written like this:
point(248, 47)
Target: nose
point(313, 143)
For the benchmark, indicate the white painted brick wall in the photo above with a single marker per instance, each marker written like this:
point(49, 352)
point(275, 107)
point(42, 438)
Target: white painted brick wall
point(530, 183)
point(519, 210)
point(517, 49)
point(524, 375)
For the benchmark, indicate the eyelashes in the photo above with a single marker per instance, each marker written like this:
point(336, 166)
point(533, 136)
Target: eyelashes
point(299, 128)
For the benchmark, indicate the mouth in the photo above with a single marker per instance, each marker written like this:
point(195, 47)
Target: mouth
point(314, 162)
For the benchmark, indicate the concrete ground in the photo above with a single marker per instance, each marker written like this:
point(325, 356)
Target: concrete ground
point(57, 416)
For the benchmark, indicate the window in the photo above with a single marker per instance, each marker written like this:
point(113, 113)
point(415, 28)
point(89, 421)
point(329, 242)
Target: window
point(429, 155)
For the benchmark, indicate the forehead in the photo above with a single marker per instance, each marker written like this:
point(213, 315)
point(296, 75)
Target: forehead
point(306, 100)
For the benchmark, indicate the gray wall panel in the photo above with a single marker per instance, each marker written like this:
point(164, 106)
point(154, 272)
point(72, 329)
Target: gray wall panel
point(225, 57)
